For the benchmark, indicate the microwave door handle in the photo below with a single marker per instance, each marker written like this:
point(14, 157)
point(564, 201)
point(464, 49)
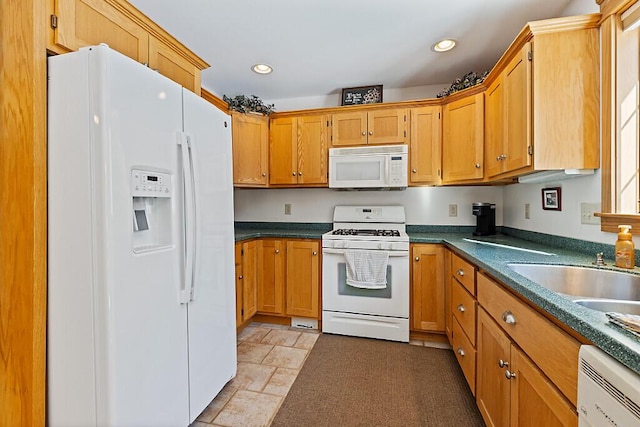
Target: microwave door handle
point(387, 161)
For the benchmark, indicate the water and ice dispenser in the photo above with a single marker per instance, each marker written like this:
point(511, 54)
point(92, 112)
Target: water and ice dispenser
point(151, 210)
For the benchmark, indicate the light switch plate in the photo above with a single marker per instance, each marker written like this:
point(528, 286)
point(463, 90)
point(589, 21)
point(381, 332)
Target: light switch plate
point(453, 210)
point(587, 211)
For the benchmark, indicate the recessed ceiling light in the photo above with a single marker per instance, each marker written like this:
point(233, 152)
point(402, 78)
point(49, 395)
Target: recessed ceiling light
point(444, 45)
point(262, 69)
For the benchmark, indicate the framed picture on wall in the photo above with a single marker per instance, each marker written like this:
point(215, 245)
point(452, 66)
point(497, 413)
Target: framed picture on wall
point(552, 199)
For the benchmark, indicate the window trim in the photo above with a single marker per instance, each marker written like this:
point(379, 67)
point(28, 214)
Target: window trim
point(610, 28)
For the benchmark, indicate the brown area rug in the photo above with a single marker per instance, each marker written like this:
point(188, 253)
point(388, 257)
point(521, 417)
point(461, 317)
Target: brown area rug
point(348, 381)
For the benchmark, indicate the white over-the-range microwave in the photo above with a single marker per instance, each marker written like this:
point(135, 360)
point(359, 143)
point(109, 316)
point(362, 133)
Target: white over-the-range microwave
point(379, 167)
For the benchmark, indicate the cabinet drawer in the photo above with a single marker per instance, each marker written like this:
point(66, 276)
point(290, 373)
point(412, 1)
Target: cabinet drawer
point(464, 273)
point(464, 308)
point(466, 355)
point(554, 351)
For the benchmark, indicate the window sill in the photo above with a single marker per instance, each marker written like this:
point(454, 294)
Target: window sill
point(609, 222)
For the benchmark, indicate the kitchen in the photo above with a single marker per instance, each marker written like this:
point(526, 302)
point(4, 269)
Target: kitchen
point(315, 205)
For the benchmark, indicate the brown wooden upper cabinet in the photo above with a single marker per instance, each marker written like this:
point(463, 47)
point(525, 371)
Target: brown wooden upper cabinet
point(425, 146)
point(384, 126)
point(463, 139)
point(298, 150)
point(250, 136)
point(78, 23)
point(543, 103)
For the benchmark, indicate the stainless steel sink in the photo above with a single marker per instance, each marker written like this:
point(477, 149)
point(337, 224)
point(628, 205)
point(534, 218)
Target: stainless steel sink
point(582, 281)
point(606, 305)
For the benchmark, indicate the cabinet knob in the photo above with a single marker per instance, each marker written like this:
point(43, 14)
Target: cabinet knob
point(240, 277)
point(504, 157)
point(460, 272)
point(460, 352)
point(315, 253)
point(509, 374)
point(293, 173)
point(299, 173)
point(502, 363)
point(277, 251)
point(370, 132)
point(417, 258)
point(498, 158)
point(461, 308)
point(264, 174)
point(508, 318)
point(477, 165)
point(364, 133)
point(414, 170)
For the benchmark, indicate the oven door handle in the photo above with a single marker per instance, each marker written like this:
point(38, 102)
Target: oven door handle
point(342, 251)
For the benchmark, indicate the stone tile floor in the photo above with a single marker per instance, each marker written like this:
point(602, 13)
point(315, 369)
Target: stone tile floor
point(269, 360)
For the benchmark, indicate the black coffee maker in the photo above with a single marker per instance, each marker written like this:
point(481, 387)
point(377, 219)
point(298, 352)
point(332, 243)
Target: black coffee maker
point(485, 218)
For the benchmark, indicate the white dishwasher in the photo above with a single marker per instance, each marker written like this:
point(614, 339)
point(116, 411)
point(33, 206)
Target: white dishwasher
point(608, 392)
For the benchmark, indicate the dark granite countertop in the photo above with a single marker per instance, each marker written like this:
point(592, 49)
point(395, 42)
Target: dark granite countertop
point(591, 324)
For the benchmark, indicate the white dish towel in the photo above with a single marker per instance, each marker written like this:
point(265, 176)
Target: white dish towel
point(367, 269)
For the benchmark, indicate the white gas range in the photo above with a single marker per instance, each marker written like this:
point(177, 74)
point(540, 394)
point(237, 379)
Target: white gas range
point(365, 273)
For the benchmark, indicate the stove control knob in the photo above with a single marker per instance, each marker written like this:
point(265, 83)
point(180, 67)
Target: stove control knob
point(380, 245)
point(345, 244)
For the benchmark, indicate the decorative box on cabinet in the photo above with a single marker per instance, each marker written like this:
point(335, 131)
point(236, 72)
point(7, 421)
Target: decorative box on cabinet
point(78, 23)
point(383, 126)
point(250, 138)
point(298, 150)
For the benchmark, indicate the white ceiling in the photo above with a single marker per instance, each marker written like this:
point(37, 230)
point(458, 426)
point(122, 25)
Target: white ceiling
point(318, 47)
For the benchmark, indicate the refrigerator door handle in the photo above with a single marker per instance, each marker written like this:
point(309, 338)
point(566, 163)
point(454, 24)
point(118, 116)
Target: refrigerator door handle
point(189, 213)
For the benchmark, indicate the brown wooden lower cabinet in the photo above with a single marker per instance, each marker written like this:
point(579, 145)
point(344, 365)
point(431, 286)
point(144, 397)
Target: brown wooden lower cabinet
point(427, 288)
point(303, 278)
point(271, 277)
point(246, 280)
point(278, 277)
point(511, 390)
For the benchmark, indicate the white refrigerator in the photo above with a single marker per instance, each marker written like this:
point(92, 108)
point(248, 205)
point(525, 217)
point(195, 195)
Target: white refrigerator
point(141, 294)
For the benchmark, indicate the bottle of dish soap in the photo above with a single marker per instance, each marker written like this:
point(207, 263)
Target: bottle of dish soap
point(625, 250)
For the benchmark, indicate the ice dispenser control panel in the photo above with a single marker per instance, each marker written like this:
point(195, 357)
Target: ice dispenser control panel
point(150, 184)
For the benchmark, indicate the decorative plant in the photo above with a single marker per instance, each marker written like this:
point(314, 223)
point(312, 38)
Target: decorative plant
point(246, 104)
point(468, 80)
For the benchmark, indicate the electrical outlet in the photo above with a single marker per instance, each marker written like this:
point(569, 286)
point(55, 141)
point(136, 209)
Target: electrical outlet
point(453, 210)
point(587, 211)
point(527, 211)
point(287, 208)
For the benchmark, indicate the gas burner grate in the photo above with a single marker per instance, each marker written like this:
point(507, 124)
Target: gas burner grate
point(356, 232)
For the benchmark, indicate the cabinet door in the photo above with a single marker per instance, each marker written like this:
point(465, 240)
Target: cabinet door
point(303, 278)
point(239, 284)
point(283, 151)
point(349, 129)
point(91, 22)
point(492, 387)
point(463, 139)
point(427, 288)
point(250, 278)
point(312, 149)
point(388, 126)
point(250, 134)
point(517, 111)
point(271, 256)
point(168, 63)
point(535, 401)
point(494, 129)
point(426, 143)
